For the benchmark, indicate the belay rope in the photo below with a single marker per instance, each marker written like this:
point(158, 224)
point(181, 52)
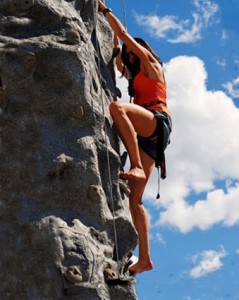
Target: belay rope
point(106, 143)
point(107, 157)
point(125, 14)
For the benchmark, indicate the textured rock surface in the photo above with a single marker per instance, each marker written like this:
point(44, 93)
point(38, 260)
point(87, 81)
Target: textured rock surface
point(57, 236)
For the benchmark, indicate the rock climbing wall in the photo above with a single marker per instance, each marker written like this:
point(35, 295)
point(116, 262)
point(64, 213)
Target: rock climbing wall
point(61, 203)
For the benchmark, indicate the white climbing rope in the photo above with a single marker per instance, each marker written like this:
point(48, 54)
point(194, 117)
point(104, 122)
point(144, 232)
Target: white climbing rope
point(107, 156)
point(125, 14)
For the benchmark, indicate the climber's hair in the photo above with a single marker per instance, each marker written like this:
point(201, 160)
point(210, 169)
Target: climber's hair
point(125, 55)
point(135, 67)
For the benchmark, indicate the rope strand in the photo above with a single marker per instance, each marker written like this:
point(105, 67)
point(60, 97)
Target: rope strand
point(107, 157)
point(125, 14)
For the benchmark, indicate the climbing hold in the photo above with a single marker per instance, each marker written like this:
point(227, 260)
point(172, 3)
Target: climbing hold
point(123, 159)
point(77, 113)
point(13, 6)
point(124, 187)
point(26, 4)
point(63, 164)
point(73, 274)
point(116, 51)
point(115, 278)
point(110, 274)
point(95, 192)
point(73, 37)
point(118, 92)
point(63, 159)
point(20, 5)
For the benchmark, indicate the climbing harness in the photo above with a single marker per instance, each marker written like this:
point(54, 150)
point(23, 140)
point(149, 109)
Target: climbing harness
point(156, 144)
point(164, 128)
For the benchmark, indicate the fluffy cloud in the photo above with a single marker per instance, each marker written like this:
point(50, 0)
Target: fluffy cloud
point(202, 188)
point(206, 262)
point(218, 207)
point(203, 151)
point(232, 87)
point(181, 31)
point(157, 237)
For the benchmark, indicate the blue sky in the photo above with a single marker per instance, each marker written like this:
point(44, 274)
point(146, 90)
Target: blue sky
point(194, 225)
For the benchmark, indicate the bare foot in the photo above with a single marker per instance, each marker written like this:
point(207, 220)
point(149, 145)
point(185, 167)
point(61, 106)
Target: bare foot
point(133, 174)
point(140, 267)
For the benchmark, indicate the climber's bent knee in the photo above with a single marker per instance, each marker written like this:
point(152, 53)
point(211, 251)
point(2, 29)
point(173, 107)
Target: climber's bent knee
point(116, 107)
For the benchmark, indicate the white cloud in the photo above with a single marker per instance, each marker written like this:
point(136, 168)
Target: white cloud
point(218, 207)
point(224, 35)
point(236, 60)
point(206, 262)
point(158, 238)
point(203, 151)
point(232, 87)
point(221, 63)
point(181, 31)
point(206, 9)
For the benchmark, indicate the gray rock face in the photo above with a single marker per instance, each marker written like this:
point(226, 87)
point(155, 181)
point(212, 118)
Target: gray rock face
point(61, 205)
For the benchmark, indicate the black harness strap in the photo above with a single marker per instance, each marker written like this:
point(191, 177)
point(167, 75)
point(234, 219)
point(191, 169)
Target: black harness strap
point(147, 105)
point(160, 156)
point(156, 143)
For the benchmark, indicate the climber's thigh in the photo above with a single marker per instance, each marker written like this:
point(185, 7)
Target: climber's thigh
point(143, 120)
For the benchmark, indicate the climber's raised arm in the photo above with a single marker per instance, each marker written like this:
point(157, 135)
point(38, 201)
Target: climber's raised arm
point(123, 35)
point(147, 58)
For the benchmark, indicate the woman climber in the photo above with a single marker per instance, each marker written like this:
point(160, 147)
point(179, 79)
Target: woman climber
point(139, 125)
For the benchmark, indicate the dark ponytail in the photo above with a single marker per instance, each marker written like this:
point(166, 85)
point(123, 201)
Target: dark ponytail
point(134, 68)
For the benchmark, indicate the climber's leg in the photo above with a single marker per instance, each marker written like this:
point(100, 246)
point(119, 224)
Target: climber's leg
point(129, 120)
point(140, 218)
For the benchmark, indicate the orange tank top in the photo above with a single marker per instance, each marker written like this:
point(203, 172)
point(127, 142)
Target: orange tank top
point(149, 91)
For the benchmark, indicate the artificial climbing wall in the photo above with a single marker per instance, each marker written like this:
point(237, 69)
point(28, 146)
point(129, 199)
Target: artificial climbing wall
point(65, 228)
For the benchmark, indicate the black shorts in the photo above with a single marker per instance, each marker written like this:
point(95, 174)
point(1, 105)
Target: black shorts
point(150, 145)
